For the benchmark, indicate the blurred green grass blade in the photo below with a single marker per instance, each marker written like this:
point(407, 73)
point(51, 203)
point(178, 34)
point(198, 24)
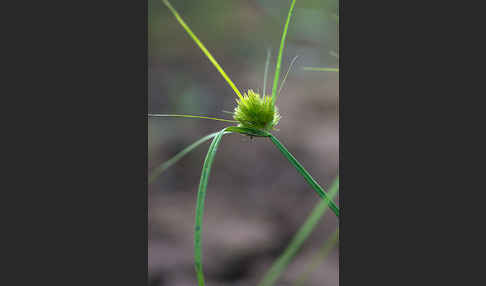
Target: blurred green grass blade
point(267, 63)
point(299, 238)
point(320, 69)
point(164, 166)
point(315, 186)
point(202, 47)
point(191, 116)
point(286, 74)
point(201, 195)
point(318, 258)
point(279, 58)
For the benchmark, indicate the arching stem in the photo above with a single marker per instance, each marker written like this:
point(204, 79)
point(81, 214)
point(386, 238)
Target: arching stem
point(314, 185)
point(201, 195)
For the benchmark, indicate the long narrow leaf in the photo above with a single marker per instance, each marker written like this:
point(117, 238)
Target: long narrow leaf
point(164, 166)
point(202, 47)
point(299, 238)
point(201, 195)
point(279, 58)
point(315, 186)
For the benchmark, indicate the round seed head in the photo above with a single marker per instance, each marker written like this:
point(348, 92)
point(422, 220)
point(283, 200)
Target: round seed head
point(255, 111)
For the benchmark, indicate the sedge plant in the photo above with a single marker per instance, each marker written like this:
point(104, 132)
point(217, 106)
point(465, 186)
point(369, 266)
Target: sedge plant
point(255, 115)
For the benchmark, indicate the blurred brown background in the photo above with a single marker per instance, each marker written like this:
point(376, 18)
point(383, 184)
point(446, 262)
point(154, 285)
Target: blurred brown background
point(256, 200)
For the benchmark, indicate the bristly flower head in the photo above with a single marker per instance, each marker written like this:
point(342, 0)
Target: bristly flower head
point(257, 112)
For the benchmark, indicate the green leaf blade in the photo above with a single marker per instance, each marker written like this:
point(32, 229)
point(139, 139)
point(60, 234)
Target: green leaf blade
point(202, 47)
point(315, 186)
point(280, 51)
point(201, 195)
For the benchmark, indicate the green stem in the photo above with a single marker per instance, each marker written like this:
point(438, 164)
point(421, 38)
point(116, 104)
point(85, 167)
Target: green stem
point(299, 238)
point(317, 188)
point(201, 195)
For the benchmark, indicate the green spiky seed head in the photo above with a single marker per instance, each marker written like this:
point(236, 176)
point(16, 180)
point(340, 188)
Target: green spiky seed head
point(257, 112)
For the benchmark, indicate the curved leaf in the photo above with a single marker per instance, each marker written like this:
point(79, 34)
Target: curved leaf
point(201, 195)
